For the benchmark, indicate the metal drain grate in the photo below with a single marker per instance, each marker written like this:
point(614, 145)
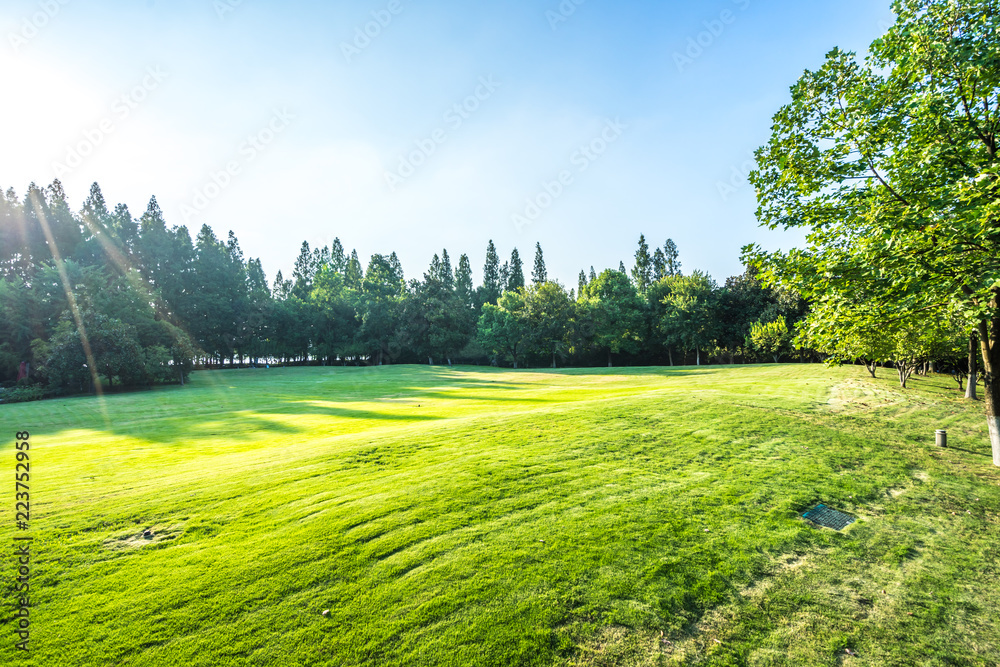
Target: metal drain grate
point(824, 516)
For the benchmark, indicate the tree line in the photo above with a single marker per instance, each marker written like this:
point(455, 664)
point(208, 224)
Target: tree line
point(98, 297)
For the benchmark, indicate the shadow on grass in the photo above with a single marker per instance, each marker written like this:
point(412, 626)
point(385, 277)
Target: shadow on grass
point(239, 403)
point(233, 424)
point(969, 451)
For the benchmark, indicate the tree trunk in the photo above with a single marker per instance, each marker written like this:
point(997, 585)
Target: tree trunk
point(697, 356)
point(430, 361)
point(609, 358)
point(991, 380)
point(970, 389)
point(670, 356)
point(905, 370)
point(553, 358)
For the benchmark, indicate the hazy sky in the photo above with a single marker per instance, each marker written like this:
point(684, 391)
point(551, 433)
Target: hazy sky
point(415, 125)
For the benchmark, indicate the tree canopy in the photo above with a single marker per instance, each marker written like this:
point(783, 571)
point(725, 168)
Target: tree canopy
point(890, 164)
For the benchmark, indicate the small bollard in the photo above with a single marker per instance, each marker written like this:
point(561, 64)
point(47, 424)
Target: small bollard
point(941, 438)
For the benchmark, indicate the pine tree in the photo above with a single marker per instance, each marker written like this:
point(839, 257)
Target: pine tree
point(282, 288)
point(516, 279)
point(257, 280)
point(504, 276)
point(353, 274)
point(621, 268)
point(125, 228)
point(397, 267)
point(593, 275)
point(581, 283)
point(463, 281)
point(672, 266)
point(152, 220)
point(659, 265)
point(320, 258)
point(445, 274)
point(539, 275)
point(338, 261)
point(492, 285)
point(95, 204)
point(63, 225)
point(303, 272)
point(233, 246)
point(642, 273)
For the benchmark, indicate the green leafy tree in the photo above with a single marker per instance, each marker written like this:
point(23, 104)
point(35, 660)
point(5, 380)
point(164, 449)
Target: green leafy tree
point(891, 165)
point(770, 338)
point(688, 317)
point(503, 328)
point(549, 312)
point(743, 301)
point(116, 353)
point(616, 312)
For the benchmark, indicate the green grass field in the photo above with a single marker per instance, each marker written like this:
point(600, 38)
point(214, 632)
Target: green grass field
point(487, 517)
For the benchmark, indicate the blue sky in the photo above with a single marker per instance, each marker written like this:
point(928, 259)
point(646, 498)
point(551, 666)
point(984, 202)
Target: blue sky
point(449, 123)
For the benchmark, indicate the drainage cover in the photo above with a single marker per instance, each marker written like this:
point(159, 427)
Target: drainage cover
point(824, 516)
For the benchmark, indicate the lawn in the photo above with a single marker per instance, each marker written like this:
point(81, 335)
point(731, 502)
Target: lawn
point(475, 516)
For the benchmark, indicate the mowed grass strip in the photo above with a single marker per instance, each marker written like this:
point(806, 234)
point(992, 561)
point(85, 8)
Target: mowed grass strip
point(488, 517)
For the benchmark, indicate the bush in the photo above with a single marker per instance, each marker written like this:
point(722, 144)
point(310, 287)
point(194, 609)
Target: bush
point(22, 394)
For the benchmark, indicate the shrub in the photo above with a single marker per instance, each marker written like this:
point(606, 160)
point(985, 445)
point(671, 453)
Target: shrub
point(22, 394)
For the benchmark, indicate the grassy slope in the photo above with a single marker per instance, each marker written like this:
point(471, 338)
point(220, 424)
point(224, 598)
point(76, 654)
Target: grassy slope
point(487, 517)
